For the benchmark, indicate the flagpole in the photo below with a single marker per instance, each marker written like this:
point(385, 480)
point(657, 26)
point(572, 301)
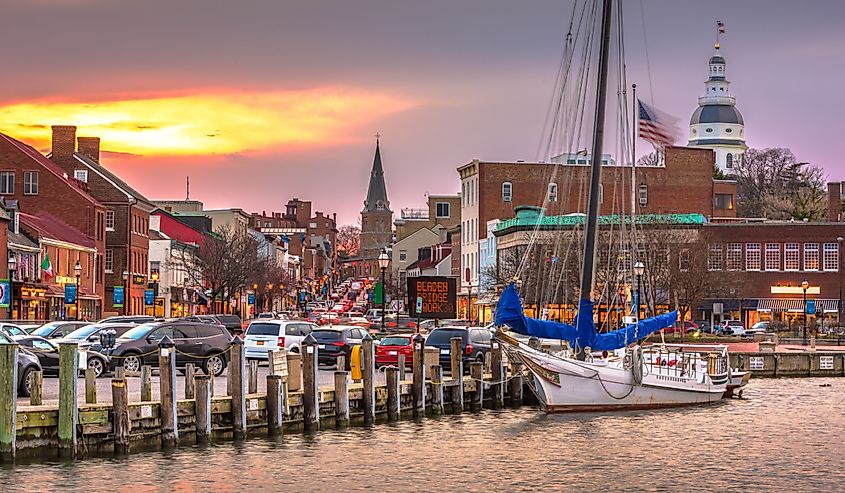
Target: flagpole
point(635, 244)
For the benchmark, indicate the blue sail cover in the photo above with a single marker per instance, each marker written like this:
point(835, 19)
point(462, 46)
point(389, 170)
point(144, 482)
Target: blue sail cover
point(509, 312)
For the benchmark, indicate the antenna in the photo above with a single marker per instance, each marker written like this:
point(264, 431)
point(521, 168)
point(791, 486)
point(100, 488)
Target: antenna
point(187, 188)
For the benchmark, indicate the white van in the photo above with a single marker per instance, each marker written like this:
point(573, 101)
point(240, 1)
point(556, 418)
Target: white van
point(264, 335)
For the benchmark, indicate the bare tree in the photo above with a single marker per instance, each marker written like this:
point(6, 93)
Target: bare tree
point(349, 239)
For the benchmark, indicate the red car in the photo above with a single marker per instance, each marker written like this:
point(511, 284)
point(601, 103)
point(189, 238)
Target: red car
point(387, 353)
point(689, 326)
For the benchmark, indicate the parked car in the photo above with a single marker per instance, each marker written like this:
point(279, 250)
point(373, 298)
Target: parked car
point(202, 344)
point(758, 328)
point(266, 316)
point(475, 342)
point(55, 330)
point(264, 335)
point(12, 330)
point(48, 355)
point(389, 349)
point(136, 319)
point(732, 328)
point(337, 341)
point(27, 364)
point(89, 335)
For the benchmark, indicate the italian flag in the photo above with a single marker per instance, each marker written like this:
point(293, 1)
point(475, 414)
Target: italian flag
point(46, 266)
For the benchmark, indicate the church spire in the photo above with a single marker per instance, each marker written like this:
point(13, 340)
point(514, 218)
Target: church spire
point(377, 191)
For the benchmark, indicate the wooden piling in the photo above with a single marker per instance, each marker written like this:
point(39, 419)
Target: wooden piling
point(253, 376)
point(497, 387)
point(515, 384)
point(476, 373)
point(310, 391)
point(120, 415)
point(190, 383)
point(36, 391)
point(68, 409)
point(202, 410)
point(457, 370)
point(8, 400)
point(341, 398)
point(401, 366)
point(120, 372)
point(146, 383)
point(418, 373)
point(167, 392)
point(90, 386)
point(392, 376)
point(275, 407)
point(294, 372)
point(237, 384)
point(437, 389)
point(368, 372)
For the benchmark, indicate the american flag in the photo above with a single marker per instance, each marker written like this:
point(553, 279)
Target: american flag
point(656, 127)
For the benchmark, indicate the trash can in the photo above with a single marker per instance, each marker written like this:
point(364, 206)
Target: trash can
point(355, 363)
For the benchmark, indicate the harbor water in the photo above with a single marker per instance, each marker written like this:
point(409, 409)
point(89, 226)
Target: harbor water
point(784, 435)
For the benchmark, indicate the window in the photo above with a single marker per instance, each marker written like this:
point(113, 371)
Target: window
point(7, 182)
point(441, 210)
point(643, 194)
point(464, 197)
point(831, 257)
point(552, 194)
point(729, 161)
point(109, 220)
point(790, 257)
point(312, 225)
point(109, 260)
point(403, 255)
point(507, 191)
point(709, 130)
point(728, 130)
point(752, 256)
point(30, 183)
point(811, 256)
point(772, 256)
point(724, 201)
point(714, 257)
point(81, 175)
point(683, 260)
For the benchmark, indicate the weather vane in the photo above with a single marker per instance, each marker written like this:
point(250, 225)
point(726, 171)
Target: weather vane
point(720, 29)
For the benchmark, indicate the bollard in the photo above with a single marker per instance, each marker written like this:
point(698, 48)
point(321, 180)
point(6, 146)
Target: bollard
point(146, 383)
point(498, 371)
point(457, 370)
point(401, 365)
point(341, 363)
point(68, 408)
point(368, 370)
point(253, 376)
point(36, 390)
point(120, 415)
point(190, 374)
point(437, 389)
point(341, 398)
point(237, 388)
point(392, 376)
point(516, 384)
point(310, 392)
point(275, 407)
point(90, 386)
point(167, 392)
point(120, 372)
point(418, 373)
point(476, 369)
point(211, 378)
point(202, 411)
point(8, 400)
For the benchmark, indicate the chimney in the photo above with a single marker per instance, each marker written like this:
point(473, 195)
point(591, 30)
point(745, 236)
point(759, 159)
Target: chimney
point(64, 142)
point(834, 201)
point(90, 146)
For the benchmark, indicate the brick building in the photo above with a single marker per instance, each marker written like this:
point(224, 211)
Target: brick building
point(5, 221)
point(127, 217)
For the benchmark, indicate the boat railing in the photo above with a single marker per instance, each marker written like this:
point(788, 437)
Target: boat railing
point(673, 362)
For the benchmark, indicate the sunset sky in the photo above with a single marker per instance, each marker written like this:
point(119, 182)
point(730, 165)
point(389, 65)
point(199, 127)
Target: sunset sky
point(259, 101)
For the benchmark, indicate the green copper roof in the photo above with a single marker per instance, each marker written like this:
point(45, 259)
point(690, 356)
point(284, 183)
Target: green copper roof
point(529, 217)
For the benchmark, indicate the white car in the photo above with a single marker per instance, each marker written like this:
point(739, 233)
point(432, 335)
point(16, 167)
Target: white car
point(265, 335)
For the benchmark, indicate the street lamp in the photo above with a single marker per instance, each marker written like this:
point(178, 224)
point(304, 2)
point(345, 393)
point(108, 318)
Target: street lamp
point(154, 278)
point(639, 270)
point(77, 270)
point(383, 262)
point(268, 296)
point(126, 292)
point(804, 286)
point(13, 266)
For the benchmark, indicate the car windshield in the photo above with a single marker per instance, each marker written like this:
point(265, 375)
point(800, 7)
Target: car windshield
point(262, 329)
point(14, 331)
point(443, 336)
point(327, 335)
point(139, 331)
point(46, 329)
point(396, 341)
point(759, 325)
point(83, 332)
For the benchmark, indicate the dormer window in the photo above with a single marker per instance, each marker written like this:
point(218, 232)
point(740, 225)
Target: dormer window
point(81, 175)
point(507, 191)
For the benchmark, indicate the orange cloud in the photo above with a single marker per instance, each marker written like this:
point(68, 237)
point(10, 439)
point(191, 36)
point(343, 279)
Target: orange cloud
point(202, 124)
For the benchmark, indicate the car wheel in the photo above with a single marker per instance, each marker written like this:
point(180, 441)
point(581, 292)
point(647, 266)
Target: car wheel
point(214, 365)
point(98, 365)
point(25, 386)
point(132, 362)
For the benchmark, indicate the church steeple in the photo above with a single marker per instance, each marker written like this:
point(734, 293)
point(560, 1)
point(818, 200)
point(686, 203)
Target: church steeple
point(377, 191)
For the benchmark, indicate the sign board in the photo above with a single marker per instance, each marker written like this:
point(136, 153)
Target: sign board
point(825, 362)
point(118, 297)
point(812, 290)
point(70, 293)
point(146, 411)
point(252, 405)
point(5, 293)
point(467, 275)
point(811, 307)
point(250, 298)
point(419, 304)
point(379, 293)
point(149, 297)
point(718, 308)
point(439, 296)
point(278, 363)
point(139, 279)
point(755, 363)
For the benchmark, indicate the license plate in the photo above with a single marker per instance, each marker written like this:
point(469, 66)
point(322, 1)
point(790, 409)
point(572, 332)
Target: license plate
point(444, 351)
point(259, 343)
point(391, 353)
point(321, 346)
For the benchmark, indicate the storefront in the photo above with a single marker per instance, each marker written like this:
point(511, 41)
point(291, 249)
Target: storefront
point(30, 302)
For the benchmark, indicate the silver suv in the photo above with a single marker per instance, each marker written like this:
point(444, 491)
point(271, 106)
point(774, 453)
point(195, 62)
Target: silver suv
point(266, 335)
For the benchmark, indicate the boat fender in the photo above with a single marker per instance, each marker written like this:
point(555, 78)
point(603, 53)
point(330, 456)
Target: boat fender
point(637, 365)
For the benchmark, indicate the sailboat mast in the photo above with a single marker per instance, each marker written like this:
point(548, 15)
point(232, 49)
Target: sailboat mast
point(587, 274)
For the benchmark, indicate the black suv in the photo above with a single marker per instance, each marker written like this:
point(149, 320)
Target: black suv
point(231, 322)
point(336, 341)
point(198, 343)
point(475, 343)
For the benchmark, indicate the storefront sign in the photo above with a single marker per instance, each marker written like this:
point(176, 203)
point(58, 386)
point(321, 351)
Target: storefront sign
point(5, 293)
point(439, 296)
point(812, 290)
point(118, 297)
point(149, 296)
point(64, 280)
point(70, 293)
point(33, 293)
point(139, 279)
